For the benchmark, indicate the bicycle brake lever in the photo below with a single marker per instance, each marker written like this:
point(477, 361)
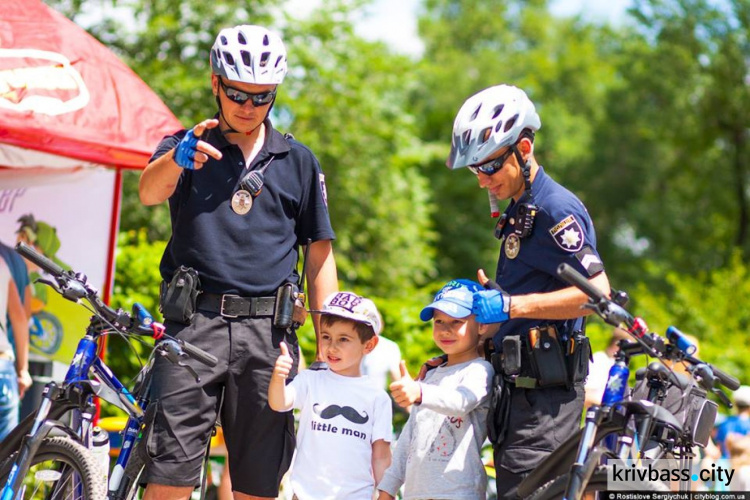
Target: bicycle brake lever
point(173, 352)
point(50, 283)
point(723, 397)
point(190, 369)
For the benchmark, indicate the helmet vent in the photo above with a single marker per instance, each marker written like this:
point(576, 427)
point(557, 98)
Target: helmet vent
point(264, 59)
point(278, 61)
point(466, 137)
point(475, 113)
point(224, 40)
point(266, 42)
point(485, 134)
point(498, 110)
point(245, 57)
point(509, 124)
point(241, 38)
point(228, 58)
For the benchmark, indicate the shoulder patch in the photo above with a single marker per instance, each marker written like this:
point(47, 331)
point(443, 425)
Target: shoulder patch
point(590, 261)
point(568, 234)
point(322, 181)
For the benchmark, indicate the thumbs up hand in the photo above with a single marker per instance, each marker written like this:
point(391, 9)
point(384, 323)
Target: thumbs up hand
point(284, 363)
point(406, 391)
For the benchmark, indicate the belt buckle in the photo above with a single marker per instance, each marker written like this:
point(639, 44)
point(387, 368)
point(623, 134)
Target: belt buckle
point(223, 300)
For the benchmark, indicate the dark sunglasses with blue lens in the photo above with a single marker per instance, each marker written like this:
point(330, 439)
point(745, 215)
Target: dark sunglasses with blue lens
point(493, 166)
point(241, 97)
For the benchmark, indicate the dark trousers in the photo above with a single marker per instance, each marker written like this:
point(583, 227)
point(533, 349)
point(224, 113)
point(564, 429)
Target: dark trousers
point(540, 420)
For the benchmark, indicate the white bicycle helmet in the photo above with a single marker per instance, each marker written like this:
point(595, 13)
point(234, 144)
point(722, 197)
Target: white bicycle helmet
point(489, 120)
point(249, 54)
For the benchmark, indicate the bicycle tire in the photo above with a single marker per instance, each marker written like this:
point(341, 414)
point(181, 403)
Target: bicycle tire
point(555, 489)
point(58, 466)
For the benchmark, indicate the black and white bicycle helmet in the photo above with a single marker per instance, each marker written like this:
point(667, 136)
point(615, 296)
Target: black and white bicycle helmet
point(249, 54)
point(488, 121)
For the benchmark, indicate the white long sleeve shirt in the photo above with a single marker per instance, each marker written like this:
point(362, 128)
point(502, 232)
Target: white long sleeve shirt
point(438, 455)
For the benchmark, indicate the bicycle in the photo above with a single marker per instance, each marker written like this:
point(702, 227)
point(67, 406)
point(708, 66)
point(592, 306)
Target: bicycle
point(635, 428)
point(46, 457)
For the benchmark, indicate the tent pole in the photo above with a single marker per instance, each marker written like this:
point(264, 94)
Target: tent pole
point(114, 227)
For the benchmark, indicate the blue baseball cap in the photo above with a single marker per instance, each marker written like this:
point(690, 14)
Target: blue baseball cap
point(454, 299)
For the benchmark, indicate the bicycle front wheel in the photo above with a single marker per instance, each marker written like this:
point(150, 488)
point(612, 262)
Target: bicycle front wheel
point(555, 489)
point(61, 469)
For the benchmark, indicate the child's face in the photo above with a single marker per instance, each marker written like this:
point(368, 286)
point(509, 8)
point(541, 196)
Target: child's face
point(342, 349)
point(456, 337)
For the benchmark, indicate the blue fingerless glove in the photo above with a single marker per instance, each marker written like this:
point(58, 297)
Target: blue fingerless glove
point(491, 306)
point(184, 155)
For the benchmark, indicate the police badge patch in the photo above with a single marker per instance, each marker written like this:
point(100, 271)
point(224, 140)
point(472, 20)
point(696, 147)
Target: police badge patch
point(512, 246)
point(568, 234)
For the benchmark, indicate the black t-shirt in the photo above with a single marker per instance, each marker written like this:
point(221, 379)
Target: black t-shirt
point(255, 253)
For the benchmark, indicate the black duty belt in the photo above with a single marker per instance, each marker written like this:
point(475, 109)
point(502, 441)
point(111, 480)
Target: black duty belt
point(234, 306)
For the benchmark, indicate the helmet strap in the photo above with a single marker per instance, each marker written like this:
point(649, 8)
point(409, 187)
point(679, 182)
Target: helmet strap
point(525, 170)
point(229, 129)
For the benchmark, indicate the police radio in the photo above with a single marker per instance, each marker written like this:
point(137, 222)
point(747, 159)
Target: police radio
point(525, 216)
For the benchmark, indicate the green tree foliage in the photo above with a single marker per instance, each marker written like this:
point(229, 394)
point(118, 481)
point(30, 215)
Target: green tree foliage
point(672, 179)
point(365, 139)
point(708, 305)
point(562, 63)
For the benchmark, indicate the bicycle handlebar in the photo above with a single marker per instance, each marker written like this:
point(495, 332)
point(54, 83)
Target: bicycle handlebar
point(39, 259)
point(612, 312)
point(573, 277)
point(726, 380)
point(73, 287)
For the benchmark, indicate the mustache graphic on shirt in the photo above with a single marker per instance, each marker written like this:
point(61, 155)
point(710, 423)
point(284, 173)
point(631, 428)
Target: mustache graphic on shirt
point(347, 412)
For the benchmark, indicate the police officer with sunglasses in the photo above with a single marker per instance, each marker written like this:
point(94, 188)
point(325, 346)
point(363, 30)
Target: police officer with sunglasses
point(244, 200)
point(539, 349)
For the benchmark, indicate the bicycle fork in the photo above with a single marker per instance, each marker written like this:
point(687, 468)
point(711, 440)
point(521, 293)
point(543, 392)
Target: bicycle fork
point(30, 444)
point(579, 472)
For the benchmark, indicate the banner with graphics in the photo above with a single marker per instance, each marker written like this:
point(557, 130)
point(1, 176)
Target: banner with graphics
point(68, 218)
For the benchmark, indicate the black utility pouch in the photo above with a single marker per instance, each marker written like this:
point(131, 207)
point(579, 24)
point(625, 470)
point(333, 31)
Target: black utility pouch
point(178, 298)
point(547, 357)
point(498, 414)
point(579, 355)
point(283, 311)
point(511, 355)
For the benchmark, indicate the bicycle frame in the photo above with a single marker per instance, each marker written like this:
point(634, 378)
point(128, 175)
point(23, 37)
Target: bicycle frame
point(73, 397)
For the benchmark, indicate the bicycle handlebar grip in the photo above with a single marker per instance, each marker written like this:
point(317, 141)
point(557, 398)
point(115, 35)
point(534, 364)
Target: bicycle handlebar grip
point(199, 354)
point(39, 259)
point(727, 380)
point(573, 277)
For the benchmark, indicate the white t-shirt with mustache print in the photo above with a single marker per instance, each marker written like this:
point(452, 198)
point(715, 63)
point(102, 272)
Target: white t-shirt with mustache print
point(340, 418)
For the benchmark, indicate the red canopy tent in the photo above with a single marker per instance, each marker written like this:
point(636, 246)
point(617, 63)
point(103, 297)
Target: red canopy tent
point(67, 103)
point(72, 116)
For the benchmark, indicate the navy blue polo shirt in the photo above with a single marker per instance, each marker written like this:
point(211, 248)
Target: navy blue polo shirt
point(255, 253)
point(562, 232)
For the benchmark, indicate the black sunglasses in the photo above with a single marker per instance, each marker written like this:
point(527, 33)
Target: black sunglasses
point(492, 167)
point(241, 97)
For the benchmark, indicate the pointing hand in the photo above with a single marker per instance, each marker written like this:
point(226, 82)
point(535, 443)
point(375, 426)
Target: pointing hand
point(191, 153)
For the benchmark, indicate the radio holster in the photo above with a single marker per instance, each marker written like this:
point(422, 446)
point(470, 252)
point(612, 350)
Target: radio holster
point(290, 309)
point(177, 299)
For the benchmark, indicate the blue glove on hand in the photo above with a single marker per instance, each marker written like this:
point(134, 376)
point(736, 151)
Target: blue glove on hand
point(184, 155)
point(491, 306)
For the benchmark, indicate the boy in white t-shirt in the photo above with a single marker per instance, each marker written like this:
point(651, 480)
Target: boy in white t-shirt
point(438, 454)
point(345, 426)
